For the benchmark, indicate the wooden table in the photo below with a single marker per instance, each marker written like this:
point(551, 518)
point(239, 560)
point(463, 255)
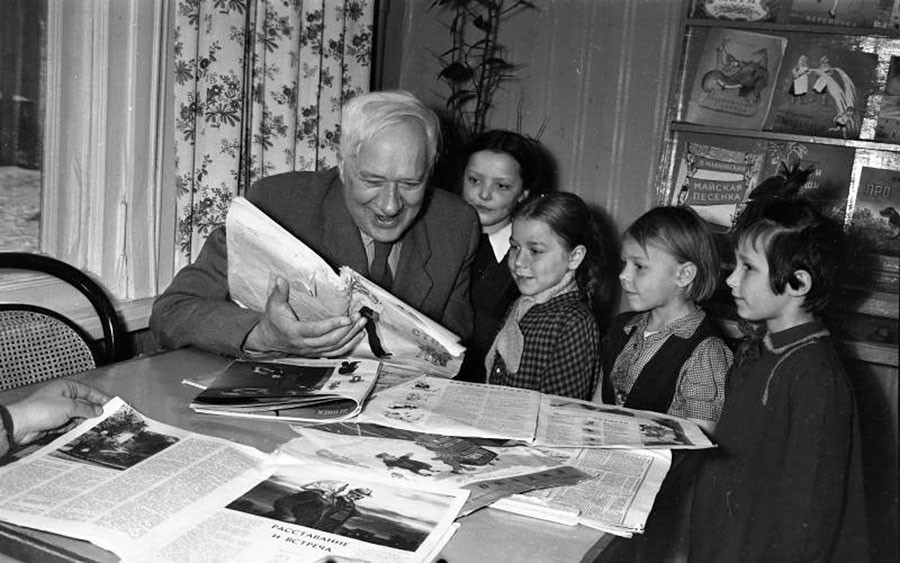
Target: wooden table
point(152, 385)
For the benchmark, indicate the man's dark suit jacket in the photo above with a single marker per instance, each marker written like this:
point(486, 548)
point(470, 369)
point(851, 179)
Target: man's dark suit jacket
point(432, 273)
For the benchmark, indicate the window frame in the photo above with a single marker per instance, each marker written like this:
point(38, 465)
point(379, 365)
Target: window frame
point(108, 150)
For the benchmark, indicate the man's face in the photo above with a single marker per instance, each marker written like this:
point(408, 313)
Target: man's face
point(385, 184)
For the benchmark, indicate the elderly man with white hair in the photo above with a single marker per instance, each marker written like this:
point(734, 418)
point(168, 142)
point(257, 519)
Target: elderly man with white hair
point(375, 212)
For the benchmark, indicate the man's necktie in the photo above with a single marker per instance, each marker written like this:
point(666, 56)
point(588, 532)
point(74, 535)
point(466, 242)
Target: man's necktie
point(380, 271)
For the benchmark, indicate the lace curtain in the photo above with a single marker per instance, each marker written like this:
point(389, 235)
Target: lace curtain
point(259, 87)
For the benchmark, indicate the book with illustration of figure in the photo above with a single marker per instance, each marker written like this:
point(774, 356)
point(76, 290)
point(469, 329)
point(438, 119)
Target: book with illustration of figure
point(714, 180)
point(823, 88)
point(733, 81)
point(260, 250)
point(887, 128)
point(290, 389)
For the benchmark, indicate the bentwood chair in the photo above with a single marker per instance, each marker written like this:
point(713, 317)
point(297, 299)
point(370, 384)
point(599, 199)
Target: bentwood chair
point(37, 344)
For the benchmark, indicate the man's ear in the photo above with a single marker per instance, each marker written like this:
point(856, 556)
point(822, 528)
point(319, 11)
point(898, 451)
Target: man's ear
point(686, 274)
point(804, 284)
point(576, 256)
point(523, 196)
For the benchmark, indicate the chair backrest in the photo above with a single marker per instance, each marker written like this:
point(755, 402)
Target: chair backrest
point(37, 344)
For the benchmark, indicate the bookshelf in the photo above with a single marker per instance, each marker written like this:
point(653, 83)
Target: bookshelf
point(710, 162)
point(846, 161)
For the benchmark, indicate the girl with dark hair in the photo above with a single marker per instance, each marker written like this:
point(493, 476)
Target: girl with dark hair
point(550, 340)
point(501, 170)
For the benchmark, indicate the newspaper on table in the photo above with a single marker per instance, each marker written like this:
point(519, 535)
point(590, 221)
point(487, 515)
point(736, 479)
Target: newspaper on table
point(617, 499)
point(456, 408)
point(570, 423)
point(259, 250)
point(150, 492)
point(498, 467)
point(290, 389)
point(434, 405)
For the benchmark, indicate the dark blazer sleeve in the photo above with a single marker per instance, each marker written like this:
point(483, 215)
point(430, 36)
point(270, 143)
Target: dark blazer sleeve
point(455, 244)
point(196, 309)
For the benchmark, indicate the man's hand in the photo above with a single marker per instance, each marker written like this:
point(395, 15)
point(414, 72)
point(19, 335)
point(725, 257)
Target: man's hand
point(279, 330)
point(59, 405)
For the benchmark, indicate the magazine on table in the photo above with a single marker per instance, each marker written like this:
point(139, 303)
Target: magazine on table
point(147, 491)
point(617, 498)
point(290, 389)
point(260, 250)
point(441, 406)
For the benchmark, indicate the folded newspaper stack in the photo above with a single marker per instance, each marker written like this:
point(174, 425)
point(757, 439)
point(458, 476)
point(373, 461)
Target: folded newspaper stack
point(259, 250)
point(290, 390)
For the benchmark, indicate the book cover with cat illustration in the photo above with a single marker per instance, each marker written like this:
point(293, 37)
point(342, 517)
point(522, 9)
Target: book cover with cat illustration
point(734, 78)
point(822, 88)
point(829, 182)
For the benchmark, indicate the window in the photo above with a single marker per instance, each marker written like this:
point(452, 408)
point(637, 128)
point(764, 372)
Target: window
point(22, 27)
point(106, 181)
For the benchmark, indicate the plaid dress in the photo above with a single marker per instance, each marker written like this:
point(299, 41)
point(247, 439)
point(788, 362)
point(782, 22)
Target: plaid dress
point(561, 352)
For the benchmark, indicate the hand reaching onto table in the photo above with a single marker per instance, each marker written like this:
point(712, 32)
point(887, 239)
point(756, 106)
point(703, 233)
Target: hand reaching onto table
point(58, 405)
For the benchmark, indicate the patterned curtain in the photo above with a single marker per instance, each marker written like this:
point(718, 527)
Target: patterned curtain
point(259, 90)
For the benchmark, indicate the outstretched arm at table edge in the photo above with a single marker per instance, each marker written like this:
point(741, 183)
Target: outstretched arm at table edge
point(56, 405)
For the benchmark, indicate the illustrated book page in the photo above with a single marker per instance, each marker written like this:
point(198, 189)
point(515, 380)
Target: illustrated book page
point(260, 250)
point(290, 389)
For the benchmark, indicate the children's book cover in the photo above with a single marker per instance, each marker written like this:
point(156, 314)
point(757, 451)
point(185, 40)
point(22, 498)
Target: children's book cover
point(876, 217)
point(849, 13)
point(737, 10)
point(714, 180)
point(822, 88)
point(887, 128)
point(829, 182)
point(734, 78)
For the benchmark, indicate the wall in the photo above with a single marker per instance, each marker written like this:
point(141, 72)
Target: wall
point(598, 72)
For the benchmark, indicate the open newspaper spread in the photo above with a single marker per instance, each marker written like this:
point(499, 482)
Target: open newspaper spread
point(498, 467)
point(434, 405)
point(259, 250)
point(150, 492)
point(617, 499)
point(570, 423)
point(290, 389)
point(456, 408)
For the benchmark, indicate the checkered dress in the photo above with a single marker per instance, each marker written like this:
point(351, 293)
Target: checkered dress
point(561, 352)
